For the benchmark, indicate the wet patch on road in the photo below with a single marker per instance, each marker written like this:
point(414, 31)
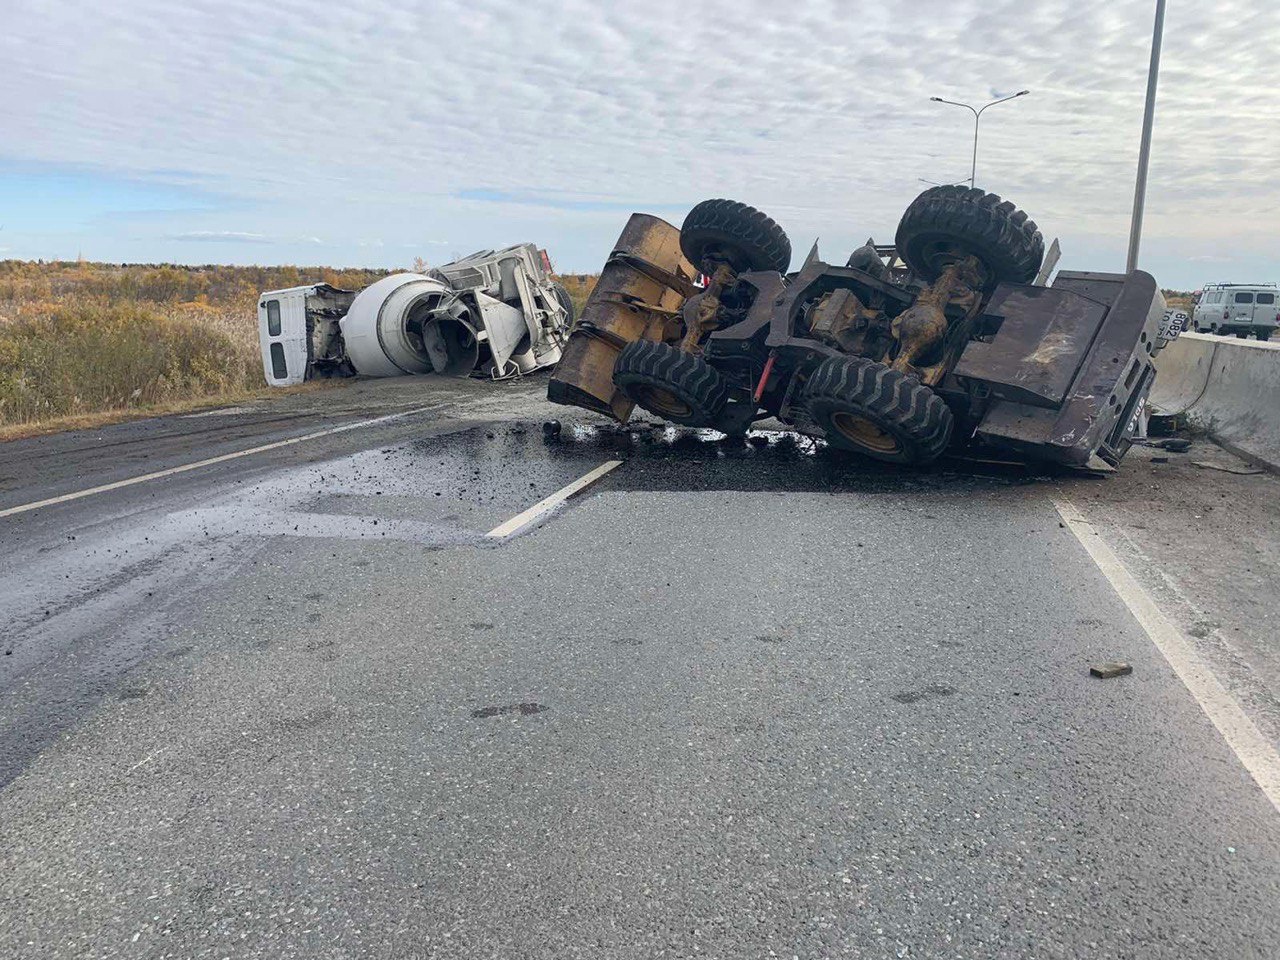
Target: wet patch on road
point(926, 693)
point(661, 457)
point(522, 709)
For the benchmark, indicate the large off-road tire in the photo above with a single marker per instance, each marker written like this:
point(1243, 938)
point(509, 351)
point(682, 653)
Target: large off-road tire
point(566, 301)
point(670, 383)
point(869, 408)
point(741, 236)
point(945, 224)
point(1264, 335)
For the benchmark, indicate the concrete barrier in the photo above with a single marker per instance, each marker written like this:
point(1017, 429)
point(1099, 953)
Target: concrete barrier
point(1228, 387)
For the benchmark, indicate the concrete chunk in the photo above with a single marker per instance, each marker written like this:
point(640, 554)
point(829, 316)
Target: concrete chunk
point(1114, 668)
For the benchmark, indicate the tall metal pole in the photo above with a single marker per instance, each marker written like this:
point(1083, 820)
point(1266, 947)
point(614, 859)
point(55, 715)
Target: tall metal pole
point(1144, 154)
point(973, 174)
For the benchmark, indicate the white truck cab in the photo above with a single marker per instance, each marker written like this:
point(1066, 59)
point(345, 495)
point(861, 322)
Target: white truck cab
point(1239, 308)
point(295, 347)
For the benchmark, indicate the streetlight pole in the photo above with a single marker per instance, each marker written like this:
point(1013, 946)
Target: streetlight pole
point(1144, 152)
point(977, 117)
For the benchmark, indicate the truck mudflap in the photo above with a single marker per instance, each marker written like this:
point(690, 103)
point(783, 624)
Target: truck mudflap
point(638, 297)
point(1065, 368)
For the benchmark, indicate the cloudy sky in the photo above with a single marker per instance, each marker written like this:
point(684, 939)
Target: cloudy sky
point(368, 132)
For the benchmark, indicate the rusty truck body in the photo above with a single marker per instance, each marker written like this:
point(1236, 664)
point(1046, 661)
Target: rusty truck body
point(947, 340)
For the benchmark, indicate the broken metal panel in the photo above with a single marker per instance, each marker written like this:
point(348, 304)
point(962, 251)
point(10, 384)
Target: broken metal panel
point(505, 329)
point(641, 290)
point(1050, 262)
point(1041, 335)
point(1113, 378)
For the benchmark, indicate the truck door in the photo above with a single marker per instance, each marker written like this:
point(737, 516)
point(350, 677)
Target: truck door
point(1209, 311)
point(1242, 308)
point(1265, 311)
point(282, 331)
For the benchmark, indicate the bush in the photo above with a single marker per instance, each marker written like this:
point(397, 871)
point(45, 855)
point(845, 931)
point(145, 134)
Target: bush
point(78, 338)
point(82, 359)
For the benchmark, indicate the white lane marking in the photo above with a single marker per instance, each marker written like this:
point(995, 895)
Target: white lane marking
point(160, 474)
point(148, 758)
point(545, 506)
point(1254, 750)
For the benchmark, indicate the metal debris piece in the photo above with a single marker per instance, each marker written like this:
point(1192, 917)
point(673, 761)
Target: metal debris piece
point(1240, 472)
point(1113, 668)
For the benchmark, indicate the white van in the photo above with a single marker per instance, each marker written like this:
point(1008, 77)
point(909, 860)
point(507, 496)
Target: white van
point(1239, 308)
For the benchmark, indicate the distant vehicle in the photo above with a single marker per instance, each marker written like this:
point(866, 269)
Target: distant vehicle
point(496, 313)
point(1239, 308)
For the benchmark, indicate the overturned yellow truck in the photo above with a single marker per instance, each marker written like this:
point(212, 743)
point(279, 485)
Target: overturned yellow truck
point(948, 339)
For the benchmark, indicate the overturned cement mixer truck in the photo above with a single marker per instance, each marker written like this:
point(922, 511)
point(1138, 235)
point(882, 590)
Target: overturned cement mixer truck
point(496, 313)
point(947, 339)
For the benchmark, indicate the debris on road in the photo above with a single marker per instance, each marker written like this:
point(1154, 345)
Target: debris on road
point(1238, 471)
point(1115, 668)
point(948, 337)
point(523, 709)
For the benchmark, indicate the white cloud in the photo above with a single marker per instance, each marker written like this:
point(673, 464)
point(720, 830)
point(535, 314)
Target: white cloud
point(336, 117)
point(220, 236)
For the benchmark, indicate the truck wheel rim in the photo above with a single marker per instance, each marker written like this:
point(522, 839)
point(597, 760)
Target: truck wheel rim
point(862, 432)
point(662, 402)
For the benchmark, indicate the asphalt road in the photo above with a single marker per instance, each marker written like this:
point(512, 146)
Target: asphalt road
point(731, 701)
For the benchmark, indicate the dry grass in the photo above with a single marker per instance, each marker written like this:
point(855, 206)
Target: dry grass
point(579, 286)
point(103, 418)
point(80, 340)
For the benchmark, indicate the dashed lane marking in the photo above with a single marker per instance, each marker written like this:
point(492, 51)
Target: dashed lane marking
point(546, 505)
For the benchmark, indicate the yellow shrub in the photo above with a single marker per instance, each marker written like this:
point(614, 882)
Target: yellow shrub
point(579, 286)
point(90, 358)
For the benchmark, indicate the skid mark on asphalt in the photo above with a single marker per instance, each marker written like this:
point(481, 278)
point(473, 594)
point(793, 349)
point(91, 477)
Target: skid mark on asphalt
point(522, 709)
point(927, 693)
point(1241, 734)
point(208, 462)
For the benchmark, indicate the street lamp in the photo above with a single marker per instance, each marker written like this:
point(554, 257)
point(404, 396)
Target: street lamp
point(977, 116)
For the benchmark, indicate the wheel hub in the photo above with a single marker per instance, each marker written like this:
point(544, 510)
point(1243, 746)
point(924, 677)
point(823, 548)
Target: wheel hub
point(663, 402)
point(864, 433)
